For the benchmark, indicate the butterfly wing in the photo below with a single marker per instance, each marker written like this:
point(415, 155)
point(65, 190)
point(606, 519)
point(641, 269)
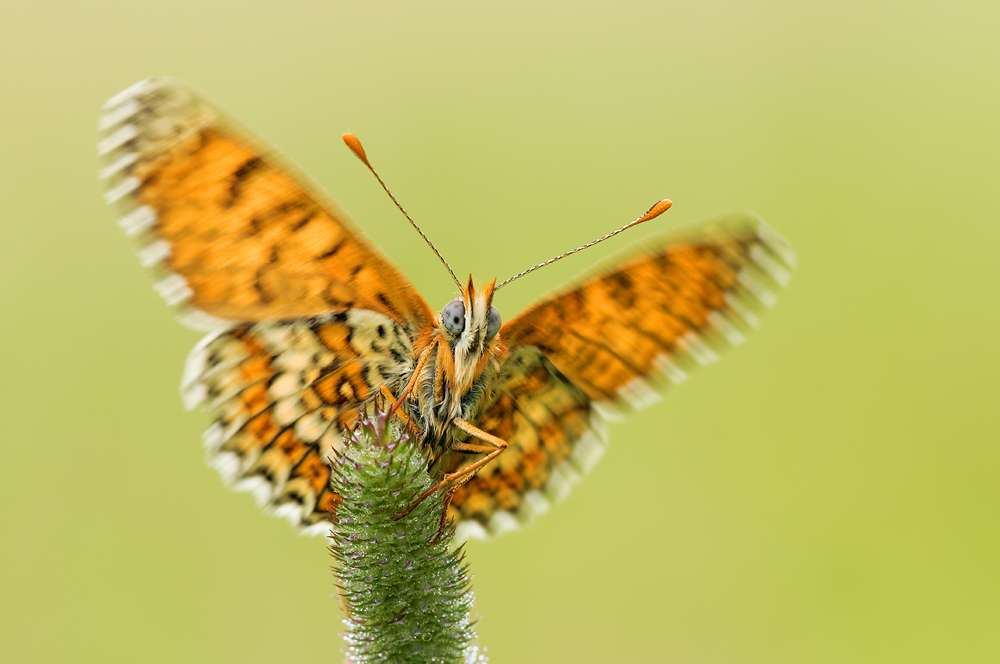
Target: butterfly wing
point(284, 392)
point(610, 340)
point(660, 310)
point(235, 232)
point(309, 318)
point(553, 436)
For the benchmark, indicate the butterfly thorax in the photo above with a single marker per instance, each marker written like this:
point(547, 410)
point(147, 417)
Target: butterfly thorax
point(457, 368)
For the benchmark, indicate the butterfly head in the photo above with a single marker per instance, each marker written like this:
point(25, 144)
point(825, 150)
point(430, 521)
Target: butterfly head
point(471, 324)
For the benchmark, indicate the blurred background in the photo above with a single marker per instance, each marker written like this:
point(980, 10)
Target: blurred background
point(828, 493)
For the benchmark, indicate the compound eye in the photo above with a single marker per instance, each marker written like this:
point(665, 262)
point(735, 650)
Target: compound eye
point(453, 316)
point(493, 323)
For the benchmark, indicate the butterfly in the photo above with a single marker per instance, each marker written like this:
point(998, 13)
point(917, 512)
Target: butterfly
point(309, 323)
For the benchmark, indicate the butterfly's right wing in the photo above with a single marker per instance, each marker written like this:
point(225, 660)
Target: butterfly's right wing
point(284, 393)
point(310, 318)
point(235, 232)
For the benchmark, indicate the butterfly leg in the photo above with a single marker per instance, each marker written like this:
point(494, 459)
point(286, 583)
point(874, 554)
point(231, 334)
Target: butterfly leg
point(444, 514)
point(491, 446)
point(417, 370)
point(411, 426)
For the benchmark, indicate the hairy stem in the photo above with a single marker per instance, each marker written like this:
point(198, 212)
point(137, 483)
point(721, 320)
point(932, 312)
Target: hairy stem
point(406, 600)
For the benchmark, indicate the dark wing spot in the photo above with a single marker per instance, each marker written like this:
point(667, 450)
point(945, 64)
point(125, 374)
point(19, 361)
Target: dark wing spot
point(301, 223)
point(333, 251)
point(265, 297)
point(239, 178)
point(623, 288)
point(621, 280)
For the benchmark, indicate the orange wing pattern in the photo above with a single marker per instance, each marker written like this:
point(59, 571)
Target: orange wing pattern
point(580, 353)
point(232, 229)
point(284, 393)
point(311, 320)
point(553, 437)
point(659, 311)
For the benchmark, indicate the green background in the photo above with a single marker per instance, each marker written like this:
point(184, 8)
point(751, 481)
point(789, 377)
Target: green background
point(828, 493)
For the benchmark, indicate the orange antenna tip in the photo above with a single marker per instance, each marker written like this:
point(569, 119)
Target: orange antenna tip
point(352, 142)
point(652, 213)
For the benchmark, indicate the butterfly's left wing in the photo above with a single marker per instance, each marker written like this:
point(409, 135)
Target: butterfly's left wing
point(553, 434)
point(609, 341)
point(664, 308)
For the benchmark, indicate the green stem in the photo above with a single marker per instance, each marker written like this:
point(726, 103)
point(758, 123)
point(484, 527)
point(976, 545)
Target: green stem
point(406, 600)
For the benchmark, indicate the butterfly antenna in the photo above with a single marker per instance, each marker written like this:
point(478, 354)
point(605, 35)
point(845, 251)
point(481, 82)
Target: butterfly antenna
point(658, 208)
point(352, 142)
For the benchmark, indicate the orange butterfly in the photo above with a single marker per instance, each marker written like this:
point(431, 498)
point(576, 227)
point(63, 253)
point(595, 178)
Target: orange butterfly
point(310, 322)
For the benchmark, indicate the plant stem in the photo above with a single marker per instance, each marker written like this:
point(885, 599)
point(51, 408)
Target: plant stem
point(406, 600)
